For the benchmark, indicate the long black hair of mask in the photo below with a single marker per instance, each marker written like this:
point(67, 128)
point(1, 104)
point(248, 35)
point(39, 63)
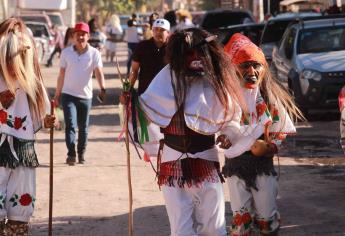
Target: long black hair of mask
point(218, 71)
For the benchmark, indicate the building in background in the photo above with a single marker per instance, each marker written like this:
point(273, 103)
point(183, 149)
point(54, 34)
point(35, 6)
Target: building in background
point(10, 8)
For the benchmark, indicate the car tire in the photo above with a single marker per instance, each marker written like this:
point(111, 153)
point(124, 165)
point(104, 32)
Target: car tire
point(294, 92)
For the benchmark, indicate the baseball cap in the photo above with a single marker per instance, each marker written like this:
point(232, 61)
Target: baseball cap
point(161, 23)
point(82, 26)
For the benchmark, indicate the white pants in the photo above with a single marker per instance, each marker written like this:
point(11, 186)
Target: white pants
point(261, 205)
point(17, 193)
point(196, 211)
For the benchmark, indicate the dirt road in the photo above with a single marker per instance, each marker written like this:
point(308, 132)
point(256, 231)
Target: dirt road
point(92, 199)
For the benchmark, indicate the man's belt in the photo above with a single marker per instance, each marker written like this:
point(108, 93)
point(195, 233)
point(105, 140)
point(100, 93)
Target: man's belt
point(189, 143)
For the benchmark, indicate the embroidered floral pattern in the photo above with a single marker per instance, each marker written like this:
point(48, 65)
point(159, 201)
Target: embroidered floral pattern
point(13, 122)
point(2, 201)
point(274, 114)
point(25, 200)
point(241, 223)
point(261, 108)
point(268, 225)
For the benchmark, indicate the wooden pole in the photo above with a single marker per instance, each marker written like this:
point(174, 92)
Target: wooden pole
point(126, 87)
point(129, 177)
point(51, 142)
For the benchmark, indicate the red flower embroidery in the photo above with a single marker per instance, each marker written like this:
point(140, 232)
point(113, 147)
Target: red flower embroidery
point(260, 109)
point(3, 116)
point(237, 220)
point(246, 218)
point(17, 123)
point(25, 199)
point(264, 225)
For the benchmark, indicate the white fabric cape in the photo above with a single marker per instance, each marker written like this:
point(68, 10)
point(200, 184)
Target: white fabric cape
point(203, 111)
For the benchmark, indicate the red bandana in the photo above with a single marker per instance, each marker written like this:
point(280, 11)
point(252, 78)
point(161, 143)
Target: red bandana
point(241, 49)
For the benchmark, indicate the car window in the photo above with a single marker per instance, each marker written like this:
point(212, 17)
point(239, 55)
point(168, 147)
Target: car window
point(287, 45)
point(274, 31)
point(215, 20)
point(323, 39)
point(55, 19)
point(41, 19)
point(253, 32)
point(38, 30)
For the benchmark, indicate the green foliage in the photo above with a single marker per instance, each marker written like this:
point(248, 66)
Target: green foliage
point(208, 4)
point(104, 8)
point(87, 8)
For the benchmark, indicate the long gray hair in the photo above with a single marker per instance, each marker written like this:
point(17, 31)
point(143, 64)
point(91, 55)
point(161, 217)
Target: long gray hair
point(19, 64)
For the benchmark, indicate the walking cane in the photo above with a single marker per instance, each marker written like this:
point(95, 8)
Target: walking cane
point(126, 87)
point(52, 105)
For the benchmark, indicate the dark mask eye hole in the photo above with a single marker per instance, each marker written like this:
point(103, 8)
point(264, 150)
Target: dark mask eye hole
point(247, 65)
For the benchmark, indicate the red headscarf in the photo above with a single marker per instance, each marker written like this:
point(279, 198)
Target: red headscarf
point(241, 49)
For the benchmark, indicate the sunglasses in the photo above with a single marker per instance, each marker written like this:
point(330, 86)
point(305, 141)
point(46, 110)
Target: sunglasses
point(160, 22)
point(247, 65)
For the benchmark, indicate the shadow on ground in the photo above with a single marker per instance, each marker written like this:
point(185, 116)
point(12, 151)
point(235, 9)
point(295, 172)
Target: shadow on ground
point(310, 203)
point(151, 220)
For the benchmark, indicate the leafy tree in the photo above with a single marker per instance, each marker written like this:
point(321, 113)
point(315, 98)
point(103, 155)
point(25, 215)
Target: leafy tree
point(209, 4)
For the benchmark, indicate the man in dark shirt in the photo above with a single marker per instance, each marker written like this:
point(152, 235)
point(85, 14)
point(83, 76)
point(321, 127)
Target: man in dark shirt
point(148, 58)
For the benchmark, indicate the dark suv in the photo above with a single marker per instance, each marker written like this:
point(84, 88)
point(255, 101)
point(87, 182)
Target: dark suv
point(311, 60)
point(215, 19)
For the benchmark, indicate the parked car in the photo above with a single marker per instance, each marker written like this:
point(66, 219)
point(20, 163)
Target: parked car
point(251, 30)
point(36, 17)
point(275, 28)
point(311, 61)
point(215, 19)
point(56, 19)
point(43, 39)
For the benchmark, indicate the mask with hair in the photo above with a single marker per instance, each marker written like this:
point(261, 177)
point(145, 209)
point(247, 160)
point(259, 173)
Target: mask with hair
point(19, 64)
point(194, 62)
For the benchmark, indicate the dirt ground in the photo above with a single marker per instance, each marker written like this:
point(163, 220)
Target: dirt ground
point(92, 199)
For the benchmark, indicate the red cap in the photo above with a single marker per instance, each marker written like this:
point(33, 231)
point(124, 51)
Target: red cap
point(241, 49)
point(82, 26)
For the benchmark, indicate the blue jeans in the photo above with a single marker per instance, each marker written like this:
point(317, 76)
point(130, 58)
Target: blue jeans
point(76, 113)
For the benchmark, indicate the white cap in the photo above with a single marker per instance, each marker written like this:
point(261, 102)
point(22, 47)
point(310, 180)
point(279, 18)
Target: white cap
point(161, 23)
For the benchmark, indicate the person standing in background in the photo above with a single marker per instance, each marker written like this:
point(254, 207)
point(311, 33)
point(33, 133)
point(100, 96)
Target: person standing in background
point(148, 58)
point(114, 34)
point(74, 87)
point(148, 27)
point(69, 39)
point(132, 38)
point(97, 37)
point(184, 19)
point(58, 42)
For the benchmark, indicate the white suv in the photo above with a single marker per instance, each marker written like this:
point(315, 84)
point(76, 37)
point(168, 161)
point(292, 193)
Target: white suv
point(311, 61)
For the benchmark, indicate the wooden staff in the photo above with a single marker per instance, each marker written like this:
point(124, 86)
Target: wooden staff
point(125, 87)
point(51, 142)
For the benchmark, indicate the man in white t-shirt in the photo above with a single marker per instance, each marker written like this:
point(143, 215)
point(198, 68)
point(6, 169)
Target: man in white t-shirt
point(74, 86)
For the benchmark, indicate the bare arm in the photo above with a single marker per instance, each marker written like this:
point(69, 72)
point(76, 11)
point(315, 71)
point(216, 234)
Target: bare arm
point(133, 75)
point(100, 78)
point(60, 82)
